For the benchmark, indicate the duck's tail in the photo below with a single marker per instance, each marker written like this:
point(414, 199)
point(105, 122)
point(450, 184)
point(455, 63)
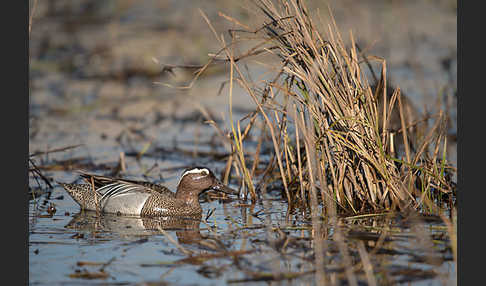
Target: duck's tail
point(81, 194)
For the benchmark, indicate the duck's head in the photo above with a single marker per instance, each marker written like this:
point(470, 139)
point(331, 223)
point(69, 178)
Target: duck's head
point(196, 180)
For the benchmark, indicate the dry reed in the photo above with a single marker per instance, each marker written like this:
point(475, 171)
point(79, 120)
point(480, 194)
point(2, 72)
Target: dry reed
point(341, 144)
point(330, 128)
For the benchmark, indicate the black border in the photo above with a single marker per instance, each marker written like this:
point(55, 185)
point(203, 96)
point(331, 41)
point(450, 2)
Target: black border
point(470, 122)
point(15, 139)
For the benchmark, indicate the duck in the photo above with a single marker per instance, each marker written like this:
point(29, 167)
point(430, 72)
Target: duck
point(145, 199)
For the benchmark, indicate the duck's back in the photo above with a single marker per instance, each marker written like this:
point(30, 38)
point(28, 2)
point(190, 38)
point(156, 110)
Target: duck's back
point(119, 196)
point(101, 181)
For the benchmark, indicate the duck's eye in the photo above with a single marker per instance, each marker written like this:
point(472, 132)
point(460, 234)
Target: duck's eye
point(205, 172)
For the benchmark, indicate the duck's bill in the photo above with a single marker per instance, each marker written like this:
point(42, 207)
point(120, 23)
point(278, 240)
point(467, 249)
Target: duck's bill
point(220, 187)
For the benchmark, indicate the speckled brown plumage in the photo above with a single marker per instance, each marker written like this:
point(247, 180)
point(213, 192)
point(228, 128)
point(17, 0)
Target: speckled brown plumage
point(82, 194)
point(163, 205)
point(131, 197)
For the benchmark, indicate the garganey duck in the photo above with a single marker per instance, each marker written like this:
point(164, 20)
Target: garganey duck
point(129, 197)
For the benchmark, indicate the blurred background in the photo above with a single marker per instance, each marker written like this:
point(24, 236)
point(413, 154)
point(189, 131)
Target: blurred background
point(92, 68)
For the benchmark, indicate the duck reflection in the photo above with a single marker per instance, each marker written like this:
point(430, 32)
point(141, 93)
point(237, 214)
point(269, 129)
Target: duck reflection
point(186, 228)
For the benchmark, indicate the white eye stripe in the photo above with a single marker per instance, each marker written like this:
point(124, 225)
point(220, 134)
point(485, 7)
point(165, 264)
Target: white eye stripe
point(202, 171)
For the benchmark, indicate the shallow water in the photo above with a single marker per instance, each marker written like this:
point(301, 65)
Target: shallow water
point(133, 250)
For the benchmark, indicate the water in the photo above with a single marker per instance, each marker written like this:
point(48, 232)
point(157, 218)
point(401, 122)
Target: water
point(135, 251)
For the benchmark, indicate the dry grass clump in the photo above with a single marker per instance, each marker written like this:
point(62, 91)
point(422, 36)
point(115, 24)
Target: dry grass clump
point(329, 126)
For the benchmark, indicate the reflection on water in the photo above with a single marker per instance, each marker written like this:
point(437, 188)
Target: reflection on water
point(236, 243)
point(186, 228)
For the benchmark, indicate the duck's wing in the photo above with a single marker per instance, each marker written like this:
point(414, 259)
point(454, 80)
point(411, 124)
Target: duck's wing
point(123, 197)
point(118, 189)
point(100, 181)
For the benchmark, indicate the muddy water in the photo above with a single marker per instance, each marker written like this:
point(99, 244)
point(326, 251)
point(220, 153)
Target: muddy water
point(132, 250)
point(91, 82)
